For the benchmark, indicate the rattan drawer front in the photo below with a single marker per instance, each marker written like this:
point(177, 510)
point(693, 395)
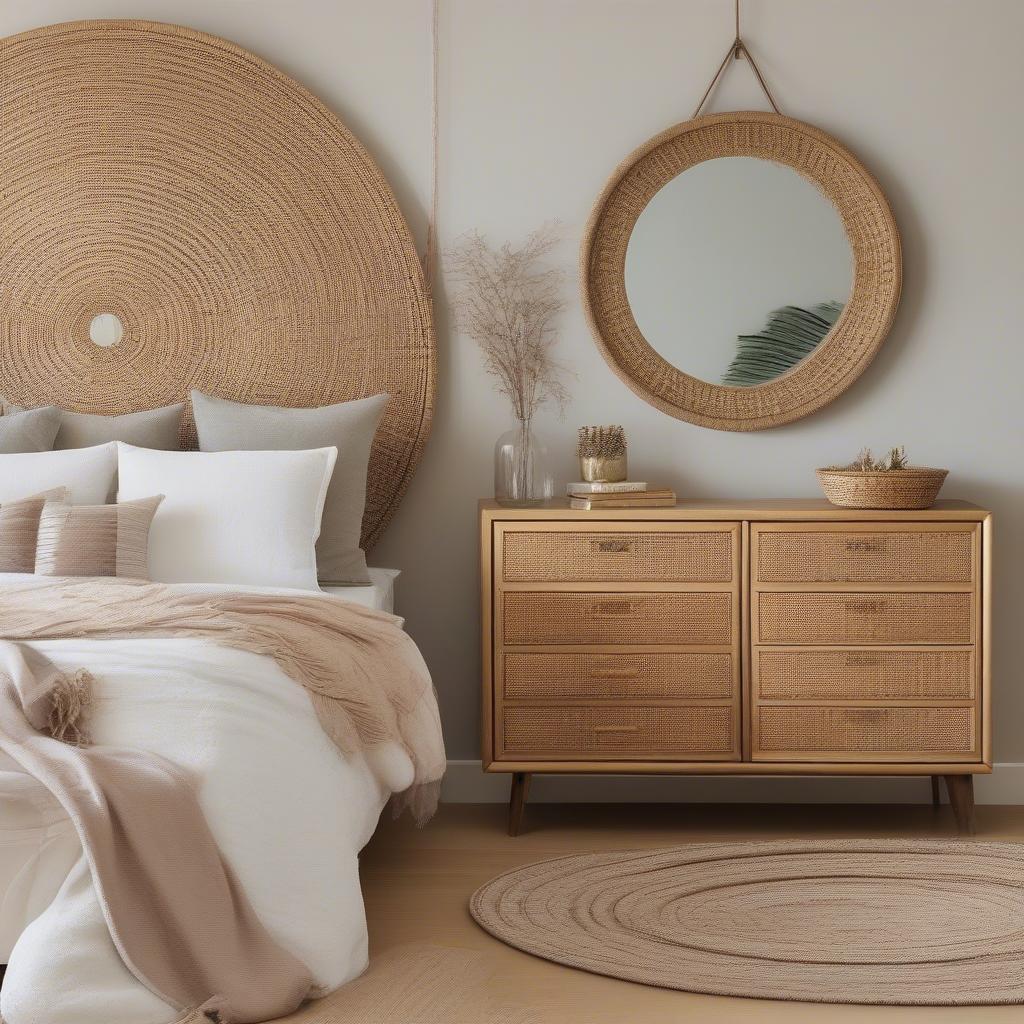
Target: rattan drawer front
point(846, 618)
point(540, 676)
point(565, 733)
point(826, 730)
point(606, 618)
point(895, 556)
point(638, 556)
point(865, 675)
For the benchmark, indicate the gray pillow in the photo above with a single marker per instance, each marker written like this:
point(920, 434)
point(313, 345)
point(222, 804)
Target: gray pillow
point(152, 428)
point(223, 425)
point(28, 430)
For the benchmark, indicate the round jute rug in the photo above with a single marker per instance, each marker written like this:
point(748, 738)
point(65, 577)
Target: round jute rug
point(919, 922)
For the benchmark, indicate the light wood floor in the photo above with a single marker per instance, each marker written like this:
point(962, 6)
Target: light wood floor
point(417, 883)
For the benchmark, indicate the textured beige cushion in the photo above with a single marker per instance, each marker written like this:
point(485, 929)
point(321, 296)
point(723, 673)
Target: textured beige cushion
point(28, 430)
point(153, 428)
point(96, 540)
point(350, 427)
point(19, 530)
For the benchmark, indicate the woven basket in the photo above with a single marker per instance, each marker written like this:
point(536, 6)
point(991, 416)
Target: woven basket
point(914, 487)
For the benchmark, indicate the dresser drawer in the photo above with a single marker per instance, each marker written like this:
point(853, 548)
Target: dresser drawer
point(862, 618)
point(622, 556)
point(544, 675)
point(611, 618)
point(567, 733)
point(920, 554)
point(795, 674)
point(896, 733)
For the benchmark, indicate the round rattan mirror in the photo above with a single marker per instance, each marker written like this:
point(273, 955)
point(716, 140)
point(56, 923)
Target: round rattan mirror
point(835, 338)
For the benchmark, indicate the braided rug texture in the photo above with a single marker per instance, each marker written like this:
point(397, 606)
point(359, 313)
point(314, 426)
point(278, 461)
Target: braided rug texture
point(247, 243)
point(918, 922)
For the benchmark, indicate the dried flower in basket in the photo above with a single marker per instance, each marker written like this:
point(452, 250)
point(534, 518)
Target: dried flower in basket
point(866, 463)
point(883, 483)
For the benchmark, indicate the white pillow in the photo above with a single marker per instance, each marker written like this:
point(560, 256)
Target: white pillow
point(231, 517)
point(87, 473)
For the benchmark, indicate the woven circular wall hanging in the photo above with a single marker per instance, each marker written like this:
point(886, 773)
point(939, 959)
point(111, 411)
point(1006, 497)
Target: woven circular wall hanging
point(175, 212)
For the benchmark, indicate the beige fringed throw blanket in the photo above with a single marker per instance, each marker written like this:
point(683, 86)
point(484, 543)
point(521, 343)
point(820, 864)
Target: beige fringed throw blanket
point(180, 920)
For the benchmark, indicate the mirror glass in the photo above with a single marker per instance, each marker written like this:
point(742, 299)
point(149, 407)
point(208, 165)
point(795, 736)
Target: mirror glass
point(737, 269)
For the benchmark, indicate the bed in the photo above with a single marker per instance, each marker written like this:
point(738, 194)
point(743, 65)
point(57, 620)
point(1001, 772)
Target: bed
point(272, 781)
point(292, 282)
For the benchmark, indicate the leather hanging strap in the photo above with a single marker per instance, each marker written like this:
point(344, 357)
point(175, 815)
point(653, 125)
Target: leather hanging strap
point(737, 49)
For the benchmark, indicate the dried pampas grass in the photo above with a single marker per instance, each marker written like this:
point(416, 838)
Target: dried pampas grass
point(507, 301)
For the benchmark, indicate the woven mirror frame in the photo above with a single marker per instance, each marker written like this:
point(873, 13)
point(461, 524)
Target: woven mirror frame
point(228, 225)
point(841, 356)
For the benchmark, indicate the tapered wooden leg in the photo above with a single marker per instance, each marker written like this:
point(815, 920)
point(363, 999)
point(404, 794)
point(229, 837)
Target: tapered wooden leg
point(936, 798)
point(961, 795)
point(517, 801)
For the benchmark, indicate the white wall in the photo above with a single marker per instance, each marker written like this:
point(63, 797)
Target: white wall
point(540, 101)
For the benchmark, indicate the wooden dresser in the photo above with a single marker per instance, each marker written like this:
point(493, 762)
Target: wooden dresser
point(775, 637)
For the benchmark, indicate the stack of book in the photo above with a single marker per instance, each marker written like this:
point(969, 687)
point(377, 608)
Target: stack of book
point(625, 494)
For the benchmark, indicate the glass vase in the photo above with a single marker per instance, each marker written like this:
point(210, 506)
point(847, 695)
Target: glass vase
point(522, 475)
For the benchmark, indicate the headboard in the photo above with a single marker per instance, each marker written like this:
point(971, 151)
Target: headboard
point(175, 212)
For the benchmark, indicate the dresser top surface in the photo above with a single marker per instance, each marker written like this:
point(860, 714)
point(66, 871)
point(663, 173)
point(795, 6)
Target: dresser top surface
point(767, 509)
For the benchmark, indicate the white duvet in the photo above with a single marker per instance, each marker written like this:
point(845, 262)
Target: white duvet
point(289, 812)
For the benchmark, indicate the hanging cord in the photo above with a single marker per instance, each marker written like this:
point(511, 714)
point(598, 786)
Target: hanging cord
point(737, 49)
point(430, 251)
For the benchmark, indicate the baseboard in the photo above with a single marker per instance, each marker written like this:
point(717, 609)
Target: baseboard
point(466, 783)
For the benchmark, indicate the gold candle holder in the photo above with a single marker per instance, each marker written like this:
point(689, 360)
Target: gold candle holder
point(601, 469)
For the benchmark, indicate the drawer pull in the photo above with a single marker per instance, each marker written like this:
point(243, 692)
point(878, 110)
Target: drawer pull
point(867, 607)
point(875, 546)
point(616, 728)
point(615, 673)
point(613, 608)
point(612, 545)
point(863, 661)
